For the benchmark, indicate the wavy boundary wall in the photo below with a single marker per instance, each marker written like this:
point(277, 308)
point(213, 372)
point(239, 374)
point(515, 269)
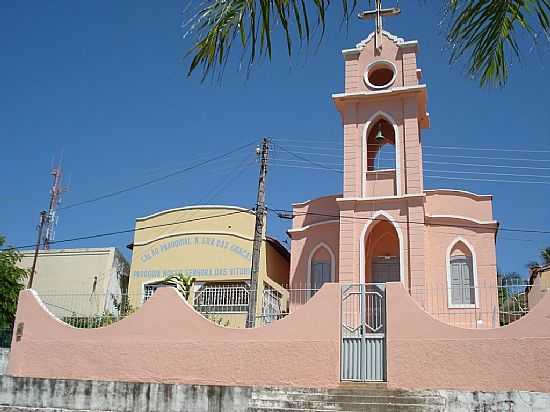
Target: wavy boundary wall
point(425, 353)
point(167, 341)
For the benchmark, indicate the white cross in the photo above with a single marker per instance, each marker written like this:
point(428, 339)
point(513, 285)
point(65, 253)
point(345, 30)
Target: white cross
point(377, 15)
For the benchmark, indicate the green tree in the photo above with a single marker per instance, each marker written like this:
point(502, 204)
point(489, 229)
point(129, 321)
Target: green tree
point(544, 259)
point(512, 299)
point(12, 281)
point(486, 33)
point(545, 256)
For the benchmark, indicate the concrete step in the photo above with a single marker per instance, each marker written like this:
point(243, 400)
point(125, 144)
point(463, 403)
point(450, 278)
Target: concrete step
point(372, 398)
point(346, 406)
point(356, 391)
point(353, 398)
point(362, 408)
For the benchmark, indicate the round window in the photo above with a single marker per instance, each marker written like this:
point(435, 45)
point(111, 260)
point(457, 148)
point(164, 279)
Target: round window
point(380, 75)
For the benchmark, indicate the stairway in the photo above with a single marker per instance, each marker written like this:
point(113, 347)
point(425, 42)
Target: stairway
point(371, 398)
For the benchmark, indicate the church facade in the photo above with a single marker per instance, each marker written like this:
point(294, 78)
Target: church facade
point(385, 226)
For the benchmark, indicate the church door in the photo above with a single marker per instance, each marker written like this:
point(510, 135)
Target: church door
point(385, 269)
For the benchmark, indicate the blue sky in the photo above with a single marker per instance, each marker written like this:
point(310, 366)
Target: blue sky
point(105, 84)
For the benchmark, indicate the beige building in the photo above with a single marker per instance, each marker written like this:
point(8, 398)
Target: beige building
point(79, 281)
point(214, 245)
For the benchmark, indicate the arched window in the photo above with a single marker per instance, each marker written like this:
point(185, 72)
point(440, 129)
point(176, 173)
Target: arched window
point(381, 146)
point(321, 267)
point(461, 277)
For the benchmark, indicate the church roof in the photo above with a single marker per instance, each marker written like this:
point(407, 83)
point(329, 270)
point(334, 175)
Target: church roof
point(399, 41)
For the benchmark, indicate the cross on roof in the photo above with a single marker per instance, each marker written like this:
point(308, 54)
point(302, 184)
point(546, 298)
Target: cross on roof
point(377, 15)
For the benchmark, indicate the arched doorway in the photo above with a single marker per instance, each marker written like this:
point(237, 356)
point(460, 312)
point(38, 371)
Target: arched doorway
point(382, 253)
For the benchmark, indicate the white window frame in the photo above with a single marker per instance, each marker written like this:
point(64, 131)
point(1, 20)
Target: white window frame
point(310, 261)
point(450, 303)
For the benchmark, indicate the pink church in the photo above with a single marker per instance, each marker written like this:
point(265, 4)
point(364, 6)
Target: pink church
point(386, 227)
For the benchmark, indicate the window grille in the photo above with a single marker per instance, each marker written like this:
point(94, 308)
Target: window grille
point(222, 297)
point(272, 305)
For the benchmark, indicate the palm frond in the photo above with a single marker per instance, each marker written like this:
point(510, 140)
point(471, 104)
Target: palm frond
point(545, 256)
point(219, 25)
point(487, 32)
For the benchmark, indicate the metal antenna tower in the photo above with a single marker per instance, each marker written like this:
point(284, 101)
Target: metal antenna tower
point(56, 191)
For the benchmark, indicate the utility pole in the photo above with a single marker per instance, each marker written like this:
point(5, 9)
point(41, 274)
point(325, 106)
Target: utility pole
point(258, 235)
point(43, 215)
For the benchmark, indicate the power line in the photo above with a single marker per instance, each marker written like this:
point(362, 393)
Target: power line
point(290, 142)
point(300, 157)
point(281, 159)
point(486, 180)
point(487, 173)
point(513, 159)
point(239, 168)
point(284, 162)
point(340, 171)
point(158, 179)
point(491, 149)
point(308, 167)
point(119, 232)
point(506, 229)
point(319, 154)
point(485, 165)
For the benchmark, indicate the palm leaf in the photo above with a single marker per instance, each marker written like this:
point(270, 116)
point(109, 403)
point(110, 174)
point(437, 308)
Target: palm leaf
point(484, 32)
point(218, 24)
point(487, 31)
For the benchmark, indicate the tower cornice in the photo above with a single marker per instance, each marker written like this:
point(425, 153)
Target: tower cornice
point(420, 90)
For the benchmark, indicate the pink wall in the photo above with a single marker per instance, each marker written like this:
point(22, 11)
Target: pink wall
point(314, 211)
point(167, 341)
point(459, 203)
point(302, 245)
point(424, 353)
point(380, 183)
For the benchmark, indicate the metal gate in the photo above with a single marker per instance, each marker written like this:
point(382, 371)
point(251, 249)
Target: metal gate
point(363, 346)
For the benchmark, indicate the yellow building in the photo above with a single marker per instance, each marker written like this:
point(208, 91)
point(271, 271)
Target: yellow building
point(214, 245)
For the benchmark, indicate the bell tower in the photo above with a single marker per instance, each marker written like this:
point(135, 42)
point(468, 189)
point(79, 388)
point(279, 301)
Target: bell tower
point(383, 111)
point(383, 104)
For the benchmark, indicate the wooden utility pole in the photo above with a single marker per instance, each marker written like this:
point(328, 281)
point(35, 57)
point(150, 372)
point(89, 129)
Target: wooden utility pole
point(258, 236)
point(37, 247)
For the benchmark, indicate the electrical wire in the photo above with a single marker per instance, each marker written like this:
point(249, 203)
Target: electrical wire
point(485, 180)
point(284, 162)
point(300, 157)
point(158, 179)
point(485, 165)
point(501, 228)
point(340, 171)
point(467, 148)
point(239, 169)
point(119, 232)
